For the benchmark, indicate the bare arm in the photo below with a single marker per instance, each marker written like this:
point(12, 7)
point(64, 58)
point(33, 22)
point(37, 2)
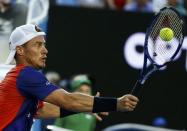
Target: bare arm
point(52, 111)
point(77, 102)
point(48, 111)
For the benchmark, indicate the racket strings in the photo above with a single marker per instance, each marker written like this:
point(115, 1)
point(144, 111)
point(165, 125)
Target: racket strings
point(159, 50)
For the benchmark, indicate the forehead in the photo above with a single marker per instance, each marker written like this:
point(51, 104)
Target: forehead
point(37, 39)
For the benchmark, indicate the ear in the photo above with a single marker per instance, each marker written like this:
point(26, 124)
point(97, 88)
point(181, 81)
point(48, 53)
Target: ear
point(19, 50)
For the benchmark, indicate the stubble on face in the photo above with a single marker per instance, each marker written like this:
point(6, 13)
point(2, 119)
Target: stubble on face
point(36, 52)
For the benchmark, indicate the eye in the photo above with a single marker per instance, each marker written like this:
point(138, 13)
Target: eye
point(40, 44)
point(44, 44)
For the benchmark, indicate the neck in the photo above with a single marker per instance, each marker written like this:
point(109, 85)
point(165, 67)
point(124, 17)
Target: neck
point(22, 62)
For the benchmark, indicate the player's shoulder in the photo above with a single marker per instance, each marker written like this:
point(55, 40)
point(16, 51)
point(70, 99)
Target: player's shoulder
point(29, 69)
point(13, 70)
point(30, 73)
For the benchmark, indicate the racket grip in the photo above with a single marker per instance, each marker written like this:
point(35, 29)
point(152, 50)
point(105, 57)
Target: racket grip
point(137, 89)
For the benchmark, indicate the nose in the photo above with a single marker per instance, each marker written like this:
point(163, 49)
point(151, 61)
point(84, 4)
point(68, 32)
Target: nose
point(45, 51)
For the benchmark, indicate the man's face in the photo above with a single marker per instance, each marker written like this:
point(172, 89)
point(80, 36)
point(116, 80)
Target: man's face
point(35, 52)
point(84, 88)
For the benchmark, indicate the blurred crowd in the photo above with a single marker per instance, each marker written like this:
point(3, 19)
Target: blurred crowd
point(17, 12)
point(127, 5)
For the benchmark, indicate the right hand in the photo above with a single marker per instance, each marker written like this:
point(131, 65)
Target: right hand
point(127, 103)
point(97, 115)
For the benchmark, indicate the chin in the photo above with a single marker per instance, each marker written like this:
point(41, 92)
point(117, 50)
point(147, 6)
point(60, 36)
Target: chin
point(41, 66)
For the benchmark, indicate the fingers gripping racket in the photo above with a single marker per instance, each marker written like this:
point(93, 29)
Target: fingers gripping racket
point(163, 41)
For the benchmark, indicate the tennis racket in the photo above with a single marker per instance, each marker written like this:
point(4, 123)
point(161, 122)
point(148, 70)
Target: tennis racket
point(158, 51)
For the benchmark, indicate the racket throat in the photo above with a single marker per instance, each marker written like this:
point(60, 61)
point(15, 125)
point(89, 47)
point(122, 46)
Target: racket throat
point(146, 76)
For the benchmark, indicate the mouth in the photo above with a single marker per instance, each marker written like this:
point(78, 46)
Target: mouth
point(44, 58)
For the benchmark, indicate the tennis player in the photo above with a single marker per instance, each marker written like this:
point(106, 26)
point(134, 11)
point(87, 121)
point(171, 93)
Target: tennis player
point(25, 89)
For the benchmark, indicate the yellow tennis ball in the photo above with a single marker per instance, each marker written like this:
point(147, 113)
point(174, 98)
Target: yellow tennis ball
point(166, 34)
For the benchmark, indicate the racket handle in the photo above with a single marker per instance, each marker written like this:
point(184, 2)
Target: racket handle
point(137, 89)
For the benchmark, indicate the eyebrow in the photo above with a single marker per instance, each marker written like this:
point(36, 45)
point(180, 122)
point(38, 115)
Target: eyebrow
point(39, 42)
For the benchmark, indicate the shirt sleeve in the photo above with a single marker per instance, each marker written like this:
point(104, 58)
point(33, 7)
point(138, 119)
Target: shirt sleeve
point(32, 83)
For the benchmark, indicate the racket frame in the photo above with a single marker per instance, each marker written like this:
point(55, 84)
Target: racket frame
point(144, 73)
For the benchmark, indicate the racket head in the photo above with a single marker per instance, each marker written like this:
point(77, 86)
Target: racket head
point(158, 51)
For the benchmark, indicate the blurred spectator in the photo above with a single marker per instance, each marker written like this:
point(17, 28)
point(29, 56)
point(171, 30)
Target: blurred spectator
point(82, 121)
point(66, 2)
point(178, 5)
point(158, 4)
point(82, 3)
point(92, 3)
point(139, 6)
point(53, 77)
point(116, 4)
point(12, 14)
